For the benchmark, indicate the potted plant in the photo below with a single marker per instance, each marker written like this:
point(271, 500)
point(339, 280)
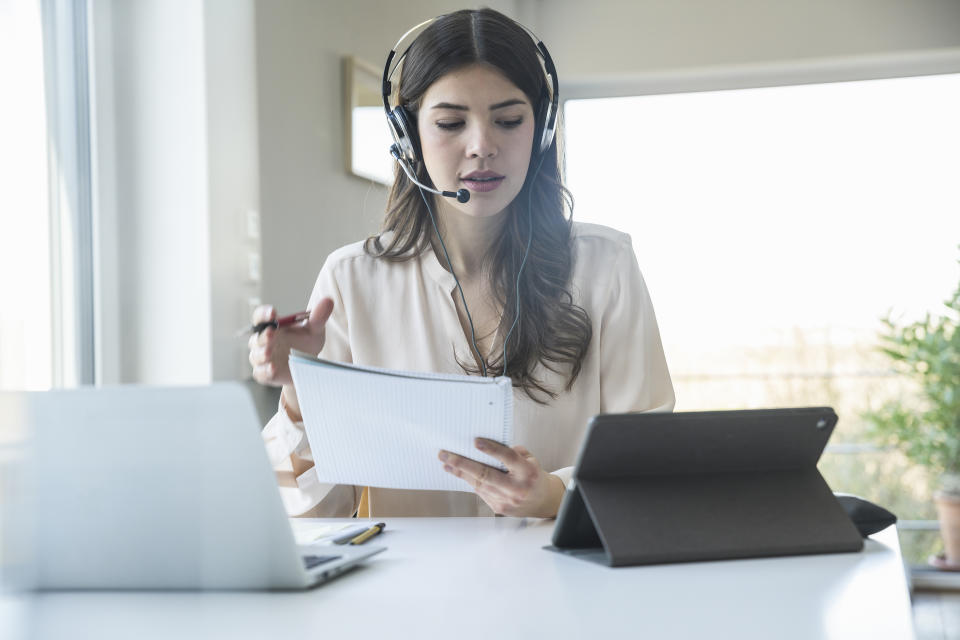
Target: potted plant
point(928, 352)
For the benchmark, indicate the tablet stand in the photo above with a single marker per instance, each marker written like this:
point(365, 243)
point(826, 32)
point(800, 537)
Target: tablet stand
point(658, 488)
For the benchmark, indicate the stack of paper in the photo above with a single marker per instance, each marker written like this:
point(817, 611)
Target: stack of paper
point(384, 428)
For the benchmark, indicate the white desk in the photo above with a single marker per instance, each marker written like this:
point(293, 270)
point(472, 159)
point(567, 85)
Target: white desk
point(488, 577)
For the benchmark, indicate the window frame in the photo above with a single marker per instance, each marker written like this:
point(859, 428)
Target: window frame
point(65, 30)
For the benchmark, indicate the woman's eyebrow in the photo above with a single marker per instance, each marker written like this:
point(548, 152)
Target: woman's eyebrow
point(448, 105)
point(493, 107)
point(507, 103)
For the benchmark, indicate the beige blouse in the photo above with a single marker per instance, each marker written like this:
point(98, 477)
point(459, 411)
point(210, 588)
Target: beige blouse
point(401, 315)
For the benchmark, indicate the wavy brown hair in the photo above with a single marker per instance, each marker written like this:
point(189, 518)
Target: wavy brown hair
point(552, 330)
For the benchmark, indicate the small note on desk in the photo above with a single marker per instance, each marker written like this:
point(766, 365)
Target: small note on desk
point(383, 428)
point(306, 532)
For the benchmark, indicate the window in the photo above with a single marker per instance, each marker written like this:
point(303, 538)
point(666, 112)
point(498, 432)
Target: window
point(775, 227)
point(46, 237)
point(25, 312)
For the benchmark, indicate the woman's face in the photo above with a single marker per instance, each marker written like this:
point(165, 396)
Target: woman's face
point(476, 132)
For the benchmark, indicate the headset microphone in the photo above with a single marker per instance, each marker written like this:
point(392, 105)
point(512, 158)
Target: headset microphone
point(462, 195)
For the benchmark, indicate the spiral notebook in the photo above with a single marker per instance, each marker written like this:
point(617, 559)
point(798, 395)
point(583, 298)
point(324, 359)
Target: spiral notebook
point(383, 428)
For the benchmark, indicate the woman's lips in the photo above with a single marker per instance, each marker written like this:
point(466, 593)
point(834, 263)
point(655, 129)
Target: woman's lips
point(482, 181)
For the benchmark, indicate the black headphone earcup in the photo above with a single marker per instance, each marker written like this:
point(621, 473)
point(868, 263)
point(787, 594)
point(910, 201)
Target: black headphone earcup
point(543, 112)
point(541, 117)
point(404, 129)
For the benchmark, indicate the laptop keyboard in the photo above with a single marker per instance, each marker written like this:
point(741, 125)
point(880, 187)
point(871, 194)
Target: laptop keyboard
point(316, 561)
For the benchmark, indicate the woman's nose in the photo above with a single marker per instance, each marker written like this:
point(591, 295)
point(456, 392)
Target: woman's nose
point(481, 143)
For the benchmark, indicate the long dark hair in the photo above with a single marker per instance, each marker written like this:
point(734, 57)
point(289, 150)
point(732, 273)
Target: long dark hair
point(552, 330)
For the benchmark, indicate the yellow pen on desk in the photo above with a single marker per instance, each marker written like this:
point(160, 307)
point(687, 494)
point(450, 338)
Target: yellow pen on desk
point(369, 533)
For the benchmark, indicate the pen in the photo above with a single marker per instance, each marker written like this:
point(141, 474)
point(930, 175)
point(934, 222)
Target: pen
point(352, 533)
point(369, 533)
point(285, 321)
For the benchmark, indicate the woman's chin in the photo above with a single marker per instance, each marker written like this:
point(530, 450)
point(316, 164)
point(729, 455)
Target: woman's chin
point(484, 205)
point(476, 208)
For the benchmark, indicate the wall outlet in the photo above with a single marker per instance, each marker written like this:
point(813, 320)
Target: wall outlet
point(253, 224)
point(253, 266)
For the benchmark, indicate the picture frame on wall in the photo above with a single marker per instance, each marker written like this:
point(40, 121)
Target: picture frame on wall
point(366, 134)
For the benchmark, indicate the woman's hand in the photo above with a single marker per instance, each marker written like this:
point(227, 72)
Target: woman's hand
point(525, 489)
point(270, 349)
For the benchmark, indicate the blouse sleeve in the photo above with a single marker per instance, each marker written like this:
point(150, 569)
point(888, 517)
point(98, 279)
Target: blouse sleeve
point(633, 368)
point(283, 437)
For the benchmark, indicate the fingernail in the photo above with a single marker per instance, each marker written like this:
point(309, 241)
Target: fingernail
point(447, 467)
point(443, 455)
point(481, 445)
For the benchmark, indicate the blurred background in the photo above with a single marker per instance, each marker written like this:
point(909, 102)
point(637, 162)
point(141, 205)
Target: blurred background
point(787, 172)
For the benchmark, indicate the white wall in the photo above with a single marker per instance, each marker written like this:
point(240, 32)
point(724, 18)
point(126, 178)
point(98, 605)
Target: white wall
point(619, 38)
point(176, 165)
point(157, 161)
point(234, 180)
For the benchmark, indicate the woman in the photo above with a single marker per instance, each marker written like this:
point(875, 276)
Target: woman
point(501, 282)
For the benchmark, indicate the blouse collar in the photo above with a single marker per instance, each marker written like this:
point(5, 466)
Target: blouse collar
point(431, 264)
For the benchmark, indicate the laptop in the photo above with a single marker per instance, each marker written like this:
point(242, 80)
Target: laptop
point(138, 487)
point(655, 488)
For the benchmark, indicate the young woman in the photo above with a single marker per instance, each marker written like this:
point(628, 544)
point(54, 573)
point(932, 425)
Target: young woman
point(503, 282)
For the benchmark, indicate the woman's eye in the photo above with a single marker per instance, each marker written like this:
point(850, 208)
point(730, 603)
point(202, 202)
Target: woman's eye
point(510, 124)
point(450, 125)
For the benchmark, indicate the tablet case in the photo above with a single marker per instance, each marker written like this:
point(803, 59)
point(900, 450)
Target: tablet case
point(866, 516)
point(654, 488)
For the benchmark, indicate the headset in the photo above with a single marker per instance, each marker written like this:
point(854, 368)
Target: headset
point(407, 152)
point(403, 128)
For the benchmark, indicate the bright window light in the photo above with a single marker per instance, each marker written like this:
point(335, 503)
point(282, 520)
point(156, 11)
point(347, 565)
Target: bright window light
point(755, 212)
point(25, 313)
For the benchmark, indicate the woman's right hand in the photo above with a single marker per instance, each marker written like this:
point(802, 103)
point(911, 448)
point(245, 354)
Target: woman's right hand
point(270, 349)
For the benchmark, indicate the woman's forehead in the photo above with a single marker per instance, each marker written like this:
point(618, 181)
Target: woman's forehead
point(477, 84)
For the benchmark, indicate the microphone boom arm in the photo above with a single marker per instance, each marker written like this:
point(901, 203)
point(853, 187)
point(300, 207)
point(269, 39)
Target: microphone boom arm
point(462, 195)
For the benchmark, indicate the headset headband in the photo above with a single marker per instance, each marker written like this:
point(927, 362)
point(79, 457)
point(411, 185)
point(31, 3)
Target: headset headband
point(403, 137)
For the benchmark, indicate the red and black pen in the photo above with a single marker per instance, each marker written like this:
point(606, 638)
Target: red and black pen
point(285, 321)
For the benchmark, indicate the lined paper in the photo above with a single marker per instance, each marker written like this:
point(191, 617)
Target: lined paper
point(383, 428)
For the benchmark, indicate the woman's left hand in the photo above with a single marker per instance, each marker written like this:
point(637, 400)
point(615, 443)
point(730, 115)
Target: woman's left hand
point(525, 489)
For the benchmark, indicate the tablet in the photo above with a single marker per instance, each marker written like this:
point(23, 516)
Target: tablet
point(691, 486)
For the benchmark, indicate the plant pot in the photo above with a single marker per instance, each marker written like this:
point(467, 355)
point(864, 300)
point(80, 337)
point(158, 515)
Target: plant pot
point(948, 512)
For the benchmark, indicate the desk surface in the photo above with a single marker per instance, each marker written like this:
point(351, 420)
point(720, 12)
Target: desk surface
point(488, 577)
